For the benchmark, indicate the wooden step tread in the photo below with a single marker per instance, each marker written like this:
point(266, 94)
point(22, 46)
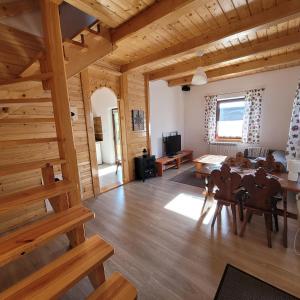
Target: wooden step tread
point(53, 280)
point(24, 100)
point(26, 120)
point(18, 168)
point(115, 288)
point(25, 197)
point(9, 143)
point(27, 238)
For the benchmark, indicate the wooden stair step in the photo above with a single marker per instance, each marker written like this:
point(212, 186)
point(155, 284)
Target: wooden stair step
point(26, 120)
point(28, 238)
point(28, 196)
point(115, 288)
point(25, 100)
point(54, 279)
point(9, 143)
point(33, 165)
point(36, 77)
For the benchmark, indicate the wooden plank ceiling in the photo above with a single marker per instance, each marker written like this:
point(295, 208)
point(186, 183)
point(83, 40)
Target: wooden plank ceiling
point(236, 37)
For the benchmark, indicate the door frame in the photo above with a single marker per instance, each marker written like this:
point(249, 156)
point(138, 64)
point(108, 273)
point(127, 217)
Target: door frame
point(87, 93)
point(114, 131)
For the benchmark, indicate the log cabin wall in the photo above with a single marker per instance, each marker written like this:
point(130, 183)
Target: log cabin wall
point(103, 77)
point(24, 153)
point(80, 137)
point(131, 93)
point(32, 152)
point(93, 78)
point(133, 98)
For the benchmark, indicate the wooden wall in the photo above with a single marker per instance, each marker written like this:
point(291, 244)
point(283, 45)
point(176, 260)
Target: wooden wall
point(100, 77)
point(135, 99)
point(131, 94)
point(24, 153)
point(35, 152)
point(80, 138)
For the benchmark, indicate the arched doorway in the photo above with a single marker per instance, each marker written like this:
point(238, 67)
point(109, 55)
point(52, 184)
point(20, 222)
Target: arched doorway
point(108, 138)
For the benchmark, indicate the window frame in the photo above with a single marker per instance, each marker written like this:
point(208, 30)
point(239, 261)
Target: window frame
point(226, 139)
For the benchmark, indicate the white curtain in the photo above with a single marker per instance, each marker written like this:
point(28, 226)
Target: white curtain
point(293, 145)
point(210, 121)
point(252, 116)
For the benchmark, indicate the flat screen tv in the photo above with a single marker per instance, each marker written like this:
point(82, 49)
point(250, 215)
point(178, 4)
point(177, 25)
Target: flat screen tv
point(173, 144)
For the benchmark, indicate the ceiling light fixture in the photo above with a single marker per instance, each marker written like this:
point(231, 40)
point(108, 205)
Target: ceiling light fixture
point(199, 77)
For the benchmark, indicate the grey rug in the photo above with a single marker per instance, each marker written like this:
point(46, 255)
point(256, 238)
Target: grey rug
point(188, 177)
point(238, 285)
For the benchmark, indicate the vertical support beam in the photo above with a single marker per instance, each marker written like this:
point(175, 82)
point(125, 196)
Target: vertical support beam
point(86, 94)
point(60, 97)
point(60, 203)
point(123, 107)
point(148, 123)
point(97, 276)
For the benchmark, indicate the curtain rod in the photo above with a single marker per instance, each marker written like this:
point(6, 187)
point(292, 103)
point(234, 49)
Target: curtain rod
point(229, 93)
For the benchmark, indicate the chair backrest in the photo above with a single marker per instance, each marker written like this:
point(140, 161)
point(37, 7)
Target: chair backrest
point(259, 190)
point(270, 164)
point(238, 161)
point(227, 182)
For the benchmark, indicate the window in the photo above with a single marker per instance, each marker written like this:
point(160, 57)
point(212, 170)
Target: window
point(230, 114)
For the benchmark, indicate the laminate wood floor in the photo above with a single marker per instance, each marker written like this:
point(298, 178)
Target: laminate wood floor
point(167, 255)
point(108, 177)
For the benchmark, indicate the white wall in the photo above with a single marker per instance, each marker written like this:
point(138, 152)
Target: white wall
point(280, 87)
point(166, 113)
point(103, 101)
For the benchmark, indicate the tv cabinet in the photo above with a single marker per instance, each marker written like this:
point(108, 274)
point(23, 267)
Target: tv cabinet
point(166, 162)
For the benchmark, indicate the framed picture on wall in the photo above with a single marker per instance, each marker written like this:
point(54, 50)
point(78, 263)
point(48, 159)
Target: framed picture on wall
point(138, 120)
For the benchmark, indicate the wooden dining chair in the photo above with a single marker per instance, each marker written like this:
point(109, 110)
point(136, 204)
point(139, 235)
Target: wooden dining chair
point(260, 191)
point(238, 161)
point(227, 184)
point(270, 165)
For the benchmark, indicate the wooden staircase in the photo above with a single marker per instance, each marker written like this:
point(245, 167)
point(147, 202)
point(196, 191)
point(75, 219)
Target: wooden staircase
point(86, 256)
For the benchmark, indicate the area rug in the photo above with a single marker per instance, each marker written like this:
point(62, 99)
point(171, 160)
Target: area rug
point(188, 177)
point(238, 285)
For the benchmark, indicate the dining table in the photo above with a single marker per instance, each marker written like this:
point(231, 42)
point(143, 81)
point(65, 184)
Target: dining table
point(204, 171)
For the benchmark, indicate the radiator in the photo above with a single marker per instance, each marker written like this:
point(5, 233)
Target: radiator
point(226, 149)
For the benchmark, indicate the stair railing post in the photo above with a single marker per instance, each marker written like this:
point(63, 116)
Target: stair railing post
point(60, 97)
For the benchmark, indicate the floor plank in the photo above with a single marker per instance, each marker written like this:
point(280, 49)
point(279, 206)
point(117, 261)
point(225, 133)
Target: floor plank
point(167, 255)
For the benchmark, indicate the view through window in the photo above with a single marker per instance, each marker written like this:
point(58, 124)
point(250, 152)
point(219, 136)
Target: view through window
point(230, 114)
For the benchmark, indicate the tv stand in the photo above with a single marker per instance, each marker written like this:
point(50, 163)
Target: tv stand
point(166, 162)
